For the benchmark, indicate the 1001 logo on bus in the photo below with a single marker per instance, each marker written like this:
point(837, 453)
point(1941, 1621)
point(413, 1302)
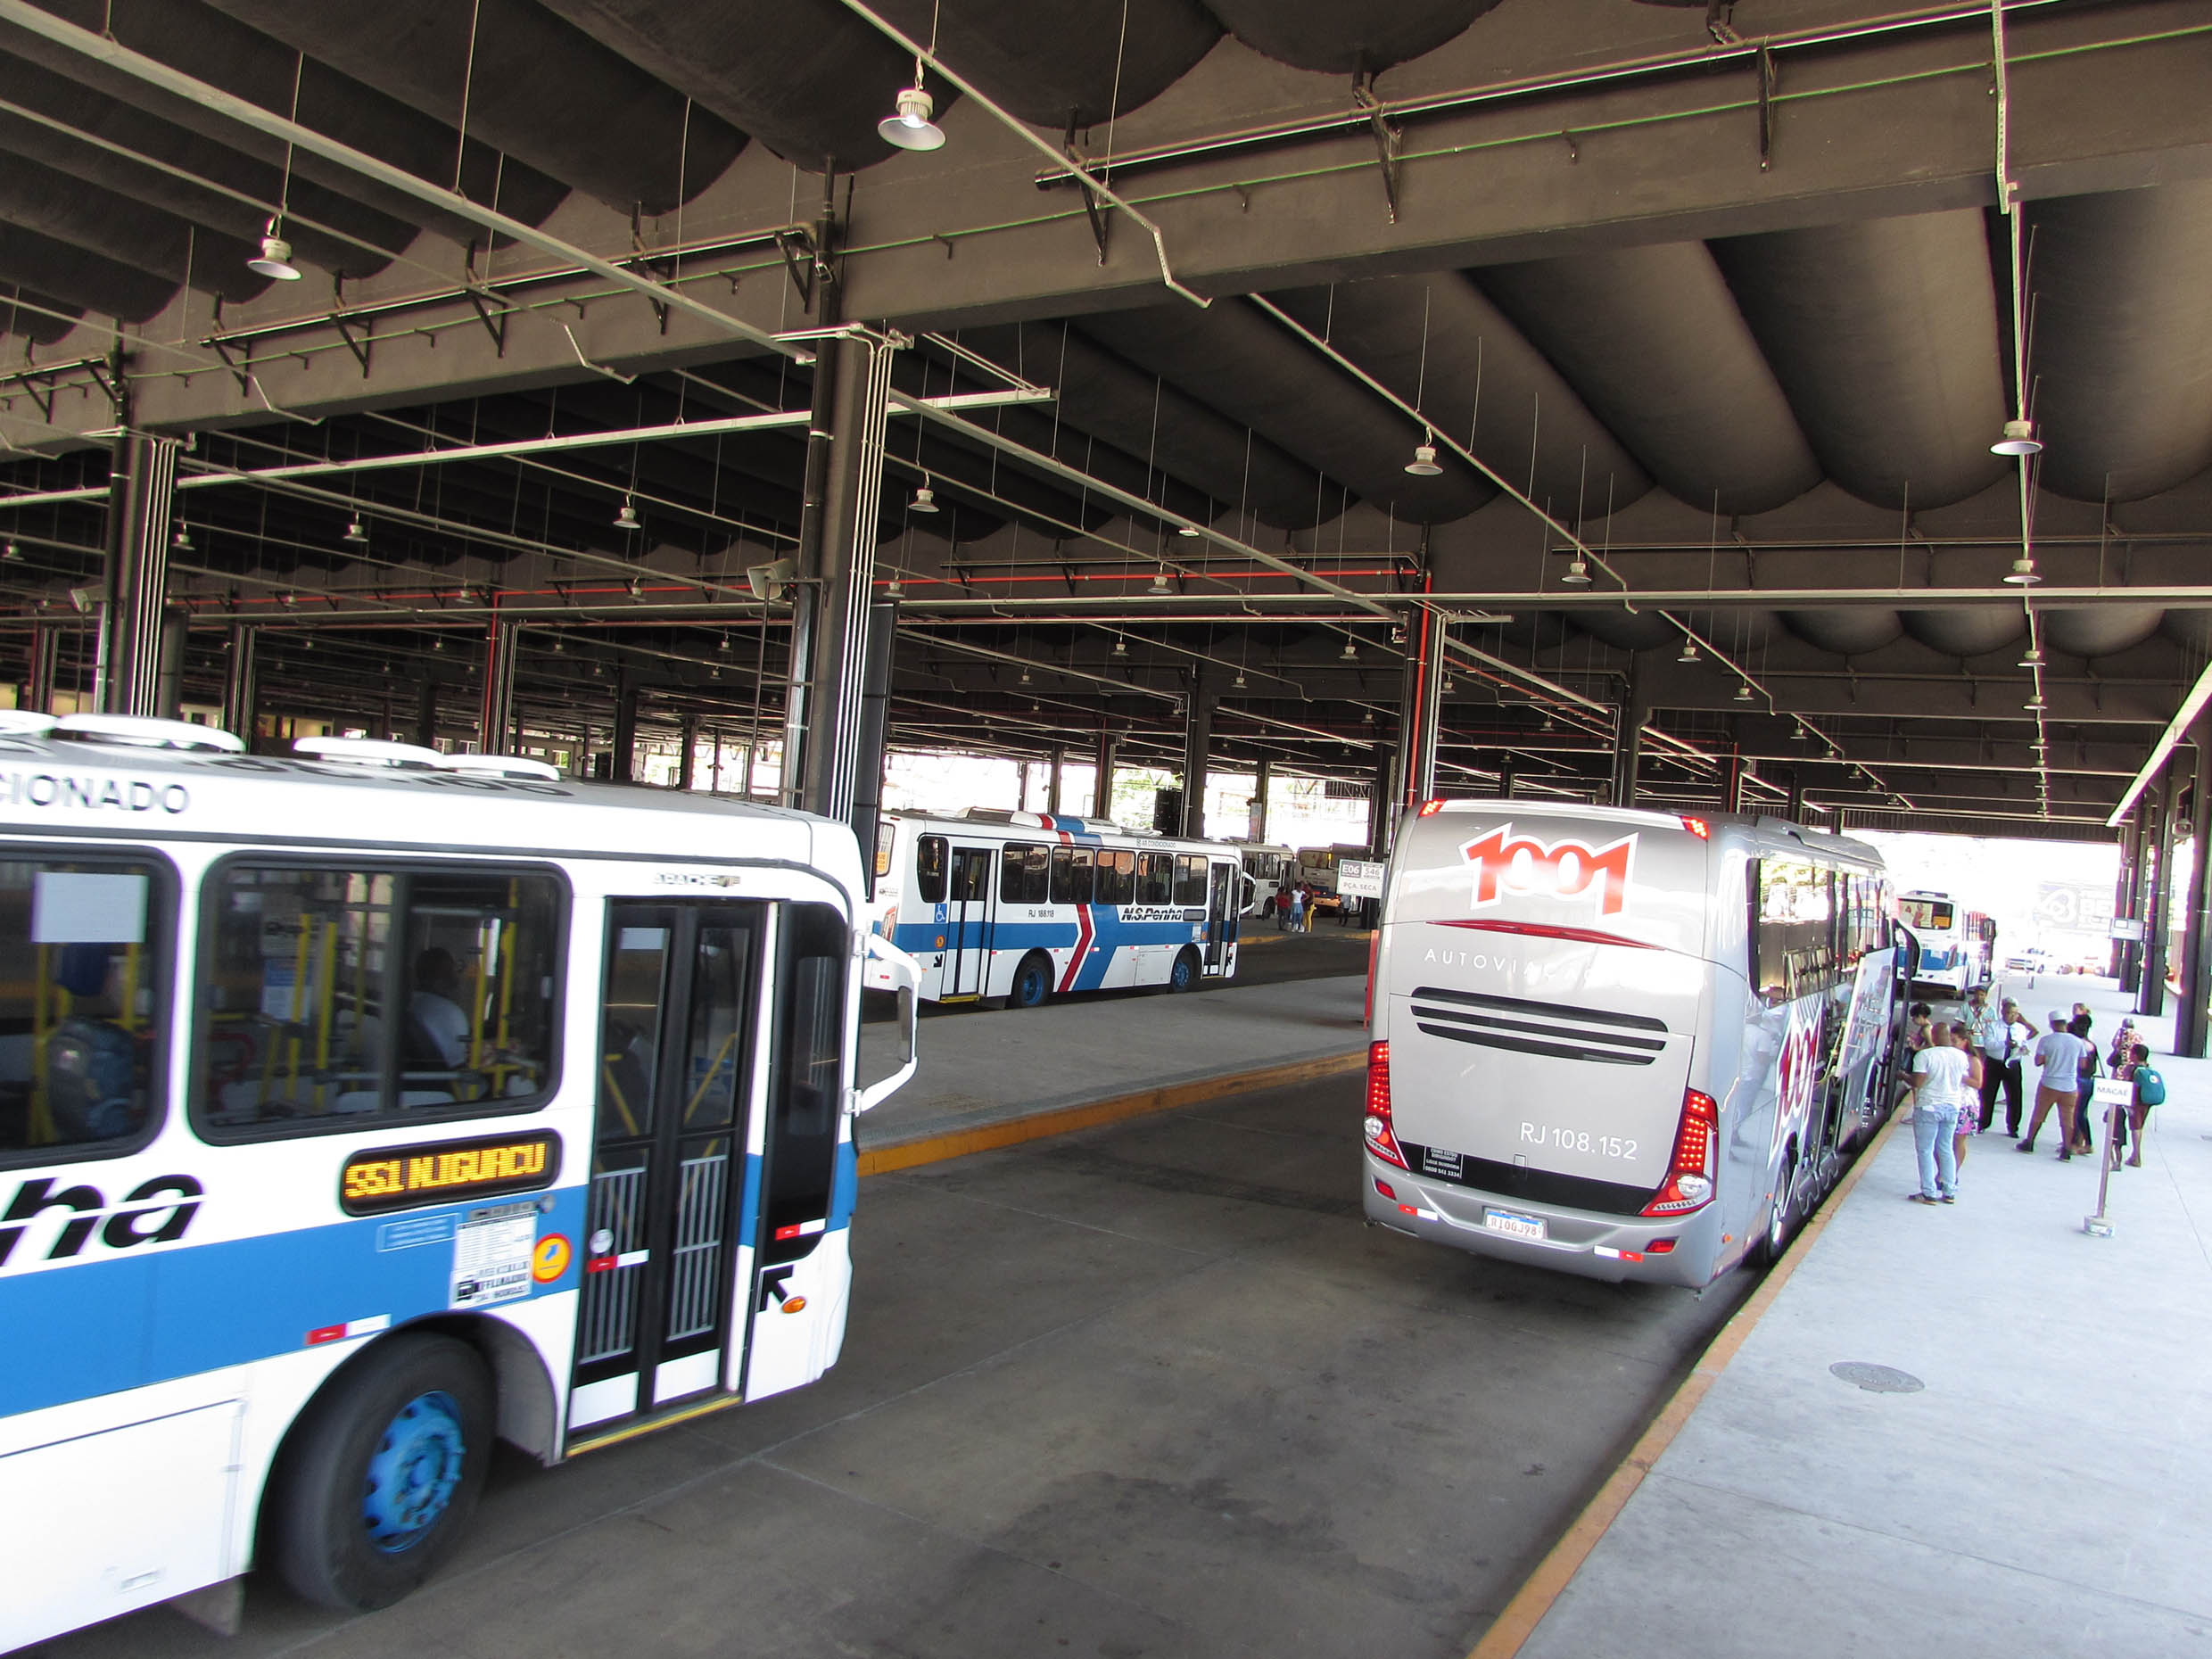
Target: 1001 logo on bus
point(1521, 866)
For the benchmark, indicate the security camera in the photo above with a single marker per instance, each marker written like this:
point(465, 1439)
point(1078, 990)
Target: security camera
point(84, 598)
point(768, 581)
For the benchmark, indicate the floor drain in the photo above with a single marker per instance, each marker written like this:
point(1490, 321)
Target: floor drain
point(1877, 1379)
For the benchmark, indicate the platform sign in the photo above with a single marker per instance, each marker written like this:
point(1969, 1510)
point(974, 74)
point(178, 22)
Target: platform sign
point(1358, 878)
point(2127, 928)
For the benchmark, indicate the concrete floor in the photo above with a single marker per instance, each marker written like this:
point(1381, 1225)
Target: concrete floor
point(1151, 1390)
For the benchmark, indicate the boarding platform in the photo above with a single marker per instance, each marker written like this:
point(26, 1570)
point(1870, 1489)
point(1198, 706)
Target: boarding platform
point(1970, 1430)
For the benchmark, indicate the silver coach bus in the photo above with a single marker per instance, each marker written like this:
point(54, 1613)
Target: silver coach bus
point(1628, 1044)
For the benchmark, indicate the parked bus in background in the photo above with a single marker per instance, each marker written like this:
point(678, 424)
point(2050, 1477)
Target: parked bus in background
point(1269, 870)
point(1027, 906)
point(1628, 1044)
point(1958, 945)
point(1317, 868)
point(359, 1106)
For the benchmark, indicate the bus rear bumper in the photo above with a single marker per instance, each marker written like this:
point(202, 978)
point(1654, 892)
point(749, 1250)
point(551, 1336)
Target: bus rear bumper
point(1610, 1247)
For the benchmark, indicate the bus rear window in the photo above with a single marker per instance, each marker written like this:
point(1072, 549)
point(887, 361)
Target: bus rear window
point(1929, 915)
point(930, 869)
point(332, 997)
point(87, 941)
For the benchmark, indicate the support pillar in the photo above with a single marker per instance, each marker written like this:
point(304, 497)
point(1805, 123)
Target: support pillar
point(495, 719)
point(1052, 783)
point(687, 756)
point(1419, 696)
point(1198, 737)
point(2158, 897)
point(241, 681)
point(2189, 1018)
point(45, 656)
point(1732, 783)
point(1504, 778)
point(1382, 802)
point(1627, 748)
point(143, 483)
point(624, 766)
point(426, 713)
point(1796, 809)
point(2127, 967)
point(875, 720)
point(1103, 785)
point(1262, 778)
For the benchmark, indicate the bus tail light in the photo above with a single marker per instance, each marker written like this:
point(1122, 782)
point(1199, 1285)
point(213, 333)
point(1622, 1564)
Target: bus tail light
point(1688, 1185)
point(1381, 1139)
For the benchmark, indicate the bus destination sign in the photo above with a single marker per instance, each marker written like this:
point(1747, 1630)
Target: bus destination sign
point(408, 1178)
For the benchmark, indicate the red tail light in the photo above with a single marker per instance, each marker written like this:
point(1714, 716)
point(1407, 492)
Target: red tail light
point(1381, 1139)
point(1429, 809)
point(1699, 828)
point(1688, 1185)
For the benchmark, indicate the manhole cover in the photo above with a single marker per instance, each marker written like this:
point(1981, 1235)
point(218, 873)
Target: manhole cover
point(1877, 1379)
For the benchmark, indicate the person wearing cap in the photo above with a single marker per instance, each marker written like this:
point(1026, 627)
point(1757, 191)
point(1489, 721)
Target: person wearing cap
point(2059, 1054)
point(1994, 1044)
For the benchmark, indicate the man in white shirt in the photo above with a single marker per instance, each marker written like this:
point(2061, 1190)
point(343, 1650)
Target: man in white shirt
point(438, 1024)
point(1939, 1091)
point(2059, 1054)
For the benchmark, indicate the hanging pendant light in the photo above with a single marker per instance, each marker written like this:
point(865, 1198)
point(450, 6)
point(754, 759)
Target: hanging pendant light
point(1121, 646)
point(181, 542)
point(1744, 693)
point(355, 534)
point(2034, 703)
point(1448, 687)
point(1160, 584)
point(275, 258)
point(909, 126)
point(1423, 463)
point(925, 500)
point(2022, 573)
point(2033, 657)
point(1190, 531)
point(1025, 676)
point(1240, 682)
point(1352, 650)
point(1688, 652)
point(11, 552)
point(1577, 573)
point(2019, 439)
point(627, 519)
point(636, 589)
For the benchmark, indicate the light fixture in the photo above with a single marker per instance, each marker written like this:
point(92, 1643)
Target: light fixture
point(1690, 651)
point(1549, 724)
point(722, 644)
point(627, 519)
point(1121, 646)
point(1744, 692)
point(1025, 676)
point(2019, 439)
point(1398, 635)
point(1192, 530)
point(437, 643)
point(181, 542)
point(925, 500)
point(909, 126)
point(636, 589)
point(2023, 573)
point(1577, 573)
point(2034, 703)
point(894, 590)
point(1366, 717)
point(274, 260)
point(1160, 584)
point(1239, 683)
point(559, 644)
point(2033, 657)
point(1449, 686)
point(714, 673)
point(355, 535)
point(288, 599)
point(1352, 650)
point(11, 552)
point(1423, 463)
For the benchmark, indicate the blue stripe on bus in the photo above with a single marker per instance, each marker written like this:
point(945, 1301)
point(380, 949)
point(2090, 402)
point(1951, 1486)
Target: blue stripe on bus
point(127, 1321)
point(924, 936)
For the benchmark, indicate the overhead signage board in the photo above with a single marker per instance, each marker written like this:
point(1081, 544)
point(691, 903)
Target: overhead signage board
point(1358, 878)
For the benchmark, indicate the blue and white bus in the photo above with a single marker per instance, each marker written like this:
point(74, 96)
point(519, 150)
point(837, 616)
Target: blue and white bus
point(1627, 1044)
point(1958, 945)
point(362, 1105)
point(1025, 906)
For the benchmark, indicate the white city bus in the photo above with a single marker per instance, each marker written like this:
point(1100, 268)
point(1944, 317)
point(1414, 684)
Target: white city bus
point(359, 1106)
point(1268, 869)
point(1030, 905)
point(1958, 945)
point(1628, 1044)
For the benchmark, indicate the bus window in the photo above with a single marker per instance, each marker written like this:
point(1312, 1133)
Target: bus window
point(1190, 888)
point(1155, 879)
point(1926, 915)
point(1117, 877)
point(331, 997)
point(1793, 949)
point(929, 869)
point(806, 1080)
point(1022, 879)
point(887, 833)
point(1071, 875)
point(87, 941)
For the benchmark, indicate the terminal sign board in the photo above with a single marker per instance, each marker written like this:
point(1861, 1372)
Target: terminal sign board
point(1358, 878)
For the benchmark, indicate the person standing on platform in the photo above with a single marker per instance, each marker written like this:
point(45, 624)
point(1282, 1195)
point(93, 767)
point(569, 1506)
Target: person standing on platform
point(1970, 1092)
point(1295, 898)
point(2059, 1054)
point(1938, 1085)
point(2019, 1037)
point(2148, 1090)
point(1988, 1029)
point(2083, 1141)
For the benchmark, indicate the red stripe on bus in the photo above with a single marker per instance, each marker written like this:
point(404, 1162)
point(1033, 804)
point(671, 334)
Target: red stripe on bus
point(1537, 929)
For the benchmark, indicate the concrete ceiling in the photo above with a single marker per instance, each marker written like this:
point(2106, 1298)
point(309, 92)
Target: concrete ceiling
point(1722, 292)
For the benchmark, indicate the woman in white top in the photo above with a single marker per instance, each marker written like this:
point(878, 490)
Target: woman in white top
point(1939, 1075)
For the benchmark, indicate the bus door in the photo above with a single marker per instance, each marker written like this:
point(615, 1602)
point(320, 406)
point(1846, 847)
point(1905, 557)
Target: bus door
point(1221, 910)
point(676, 1065)
point(968, 897)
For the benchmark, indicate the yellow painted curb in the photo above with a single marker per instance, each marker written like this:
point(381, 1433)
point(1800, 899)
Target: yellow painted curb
point(989, 1137)
point(1556, 1571)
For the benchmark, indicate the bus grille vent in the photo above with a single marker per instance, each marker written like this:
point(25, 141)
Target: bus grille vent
point(1552, 1030)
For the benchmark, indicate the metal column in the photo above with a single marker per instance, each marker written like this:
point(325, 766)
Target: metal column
point(2126, 962)
point(142, 485)
point(1420, 692)
point(1628, 742)
point(1795, 811)
point(623, 764)
point(875, 718)
point(1504, 778)
point(241, 681)
point(2158, 897)
point(1198, 736)
point(45, 654)
point(1264, 775)
point(1732, 783)
point(495, 720)
point(426, 713)
point(687, 757)
point(1052, 783)
point(1103, 785)
point(2189, 1018)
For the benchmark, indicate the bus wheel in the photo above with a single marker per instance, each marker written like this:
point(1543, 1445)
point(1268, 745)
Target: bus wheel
point(1033, 981)
point(1184, 975)
point(1776, 1239)
point(381, 1474)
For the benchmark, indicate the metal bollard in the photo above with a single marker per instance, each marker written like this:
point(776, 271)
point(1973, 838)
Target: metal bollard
point(2117, 1095)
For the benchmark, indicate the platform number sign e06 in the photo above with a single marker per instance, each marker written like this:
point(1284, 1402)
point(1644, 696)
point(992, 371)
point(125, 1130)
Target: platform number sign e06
point(1523, 866)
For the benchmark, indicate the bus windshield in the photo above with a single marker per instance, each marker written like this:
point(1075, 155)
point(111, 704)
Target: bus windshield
point(1928, 915)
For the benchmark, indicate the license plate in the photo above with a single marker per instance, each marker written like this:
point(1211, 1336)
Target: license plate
point(1507, 1221)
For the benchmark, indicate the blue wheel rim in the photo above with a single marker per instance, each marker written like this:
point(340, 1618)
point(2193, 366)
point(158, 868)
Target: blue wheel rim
point(414, 1471)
